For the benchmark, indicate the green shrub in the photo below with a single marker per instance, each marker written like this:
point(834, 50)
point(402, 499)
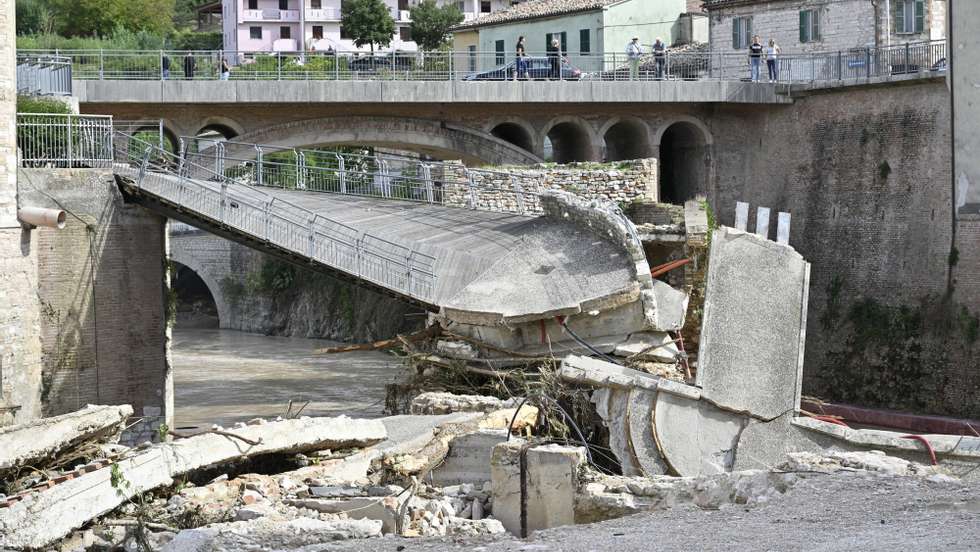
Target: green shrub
point(33, 104)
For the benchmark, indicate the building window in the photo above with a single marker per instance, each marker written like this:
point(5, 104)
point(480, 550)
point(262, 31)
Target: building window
point(910, 16)
point(485, 7)
point(809, 26)
point(284, 32)
point(344, 35)
point(472, 51)
point(405, 34)
point(317, 31)
point(316, 4)
point(255, 33)
point(562, 41)
point(283, 4)
point(584, 41)
point(499, 47)
point(253, 4)
point(741, 32)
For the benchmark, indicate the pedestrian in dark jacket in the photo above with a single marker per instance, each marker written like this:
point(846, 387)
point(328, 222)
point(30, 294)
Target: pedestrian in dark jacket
point(165, 66)
point(189, 64)
point(554, 56)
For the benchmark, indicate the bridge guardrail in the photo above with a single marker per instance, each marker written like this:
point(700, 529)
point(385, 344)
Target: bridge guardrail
point(847, 64)
point(44, 75)
point(56, 140)
point(249, 209)
point(382, 176)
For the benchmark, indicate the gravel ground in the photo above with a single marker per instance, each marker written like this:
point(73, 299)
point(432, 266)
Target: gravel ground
point(844, 511)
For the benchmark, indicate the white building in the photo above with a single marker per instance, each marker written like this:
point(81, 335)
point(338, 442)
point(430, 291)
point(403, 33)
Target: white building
point(294, 25)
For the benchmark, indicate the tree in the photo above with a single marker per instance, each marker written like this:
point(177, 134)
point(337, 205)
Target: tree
point(367, 22)
point(34, 17)
point(431, 24)
point(102, 17)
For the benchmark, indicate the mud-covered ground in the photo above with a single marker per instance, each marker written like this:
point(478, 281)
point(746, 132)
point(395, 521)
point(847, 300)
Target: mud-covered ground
point(822, 512)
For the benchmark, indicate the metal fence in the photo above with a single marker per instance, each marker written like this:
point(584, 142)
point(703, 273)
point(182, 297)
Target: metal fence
point(252, 210)
point(64, 141)
point(383, 176)
point(44, 75)
point(479, 66)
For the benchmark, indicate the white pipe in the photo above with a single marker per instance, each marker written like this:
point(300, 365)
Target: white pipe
point(33, 217)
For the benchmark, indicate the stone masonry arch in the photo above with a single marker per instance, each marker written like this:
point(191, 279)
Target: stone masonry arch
point(196, 250)
point(625, 138)
point(684, 147)
point(436, 138)
point(572, 139)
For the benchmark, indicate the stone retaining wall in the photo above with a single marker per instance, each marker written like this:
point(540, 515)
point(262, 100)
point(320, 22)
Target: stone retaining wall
point(506, 187)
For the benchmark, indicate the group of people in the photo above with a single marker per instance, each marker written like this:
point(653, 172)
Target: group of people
point(522, 63)
point(190, 66)
point(634, 53)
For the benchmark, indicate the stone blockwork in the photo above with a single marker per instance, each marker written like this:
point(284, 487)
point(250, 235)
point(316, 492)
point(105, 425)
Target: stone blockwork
point(102, 288)
point(258, 293)
point(868, 186)
point(8, 122)
point(506, 187)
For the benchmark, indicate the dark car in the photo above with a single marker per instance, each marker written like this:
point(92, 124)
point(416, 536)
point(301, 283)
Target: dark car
point(538, 68)
point(374, 64)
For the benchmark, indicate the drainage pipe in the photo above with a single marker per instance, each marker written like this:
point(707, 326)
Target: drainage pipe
point(32, 217)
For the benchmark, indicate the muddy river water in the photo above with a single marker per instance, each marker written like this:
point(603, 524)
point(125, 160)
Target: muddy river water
point(226, 376)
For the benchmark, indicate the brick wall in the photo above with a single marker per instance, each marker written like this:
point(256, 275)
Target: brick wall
point(101, 286)
point(621, 182)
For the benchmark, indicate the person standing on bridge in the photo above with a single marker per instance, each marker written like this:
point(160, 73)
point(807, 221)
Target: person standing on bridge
point(554, 56)
point(755, 57)
point(189, 64)
point(772, 60)
point(633, 53)
point(520, 65)
point(225, 69)
point(165, 66)
point(660, 57)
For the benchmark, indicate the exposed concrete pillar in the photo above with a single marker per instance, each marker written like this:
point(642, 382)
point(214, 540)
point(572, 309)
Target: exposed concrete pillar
point(964, 55)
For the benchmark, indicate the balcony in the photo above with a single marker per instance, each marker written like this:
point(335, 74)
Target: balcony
point(270, 15)
point(323, 14)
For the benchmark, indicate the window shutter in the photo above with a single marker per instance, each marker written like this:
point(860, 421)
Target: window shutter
point(815, 27)
point(920, 16)
point(804, 20)
point(748, 31)
point(736, 23)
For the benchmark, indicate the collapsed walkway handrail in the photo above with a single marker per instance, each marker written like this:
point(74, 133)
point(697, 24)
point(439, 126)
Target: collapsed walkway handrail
point(234, 204)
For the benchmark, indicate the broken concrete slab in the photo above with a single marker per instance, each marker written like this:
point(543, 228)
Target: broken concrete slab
point(764, 445)
point(583, 369)
point(751, 351)
point(448, 403)
point(652, 346)
point(265, 534)
point(551, 476)
point(670, 307)
point(382, 509)
point(695, 438)
point(613, 405)
point(27, 444)
point(642, 440)
point(468, 460)
point(49, 515)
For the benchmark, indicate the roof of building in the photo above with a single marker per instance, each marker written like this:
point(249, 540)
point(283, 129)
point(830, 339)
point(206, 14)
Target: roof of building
point(535, 9)
point(710, 4)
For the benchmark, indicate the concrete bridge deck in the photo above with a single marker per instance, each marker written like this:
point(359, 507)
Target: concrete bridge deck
point(497, 266)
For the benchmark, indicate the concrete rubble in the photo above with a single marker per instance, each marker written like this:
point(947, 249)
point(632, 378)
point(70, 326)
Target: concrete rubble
point(32, 442)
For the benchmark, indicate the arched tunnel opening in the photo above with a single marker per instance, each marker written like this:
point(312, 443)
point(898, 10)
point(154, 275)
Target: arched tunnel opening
point(683, 163)
point(515, 134)
point(217, 132)
point(194, 303)
point(626, 140)
point(567, 143)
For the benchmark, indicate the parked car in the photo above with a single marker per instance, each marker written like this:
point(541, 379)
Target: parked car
point(374, 64)
point(538, 68)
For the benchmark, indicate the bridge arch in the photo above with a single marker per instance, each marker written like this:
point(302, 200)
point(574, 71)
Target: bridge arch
point(438, 139)
point(569, 139)
point(515, 131)
point(226, 127)
point(684, 151)
point(183, 260)
point(626, 138)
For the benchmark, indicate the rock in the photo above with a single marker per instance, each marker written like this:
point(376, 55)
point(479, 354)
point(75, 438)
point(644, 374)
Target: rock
point(447, 403)
point(503, 418)
point(473, 528)
point(254, 511)
point(457, 350)
point(265, 534)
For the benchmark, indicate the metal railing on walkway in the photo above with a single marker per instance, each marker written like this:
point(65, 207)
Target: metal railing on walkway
point(44, 75)
point(856, 63)
point(64, 140)
point(256, 213)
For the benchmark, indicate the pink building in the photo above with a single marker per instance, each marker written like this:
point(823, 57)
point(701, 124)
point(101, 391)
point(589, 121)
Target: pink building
point(293, 25)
